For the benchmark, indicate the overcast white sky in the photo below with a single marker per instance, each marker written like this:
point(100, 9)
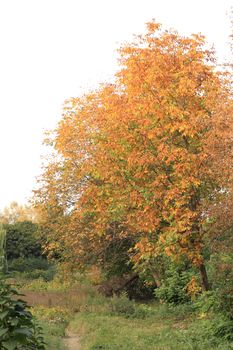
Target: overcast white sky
point(52, 50)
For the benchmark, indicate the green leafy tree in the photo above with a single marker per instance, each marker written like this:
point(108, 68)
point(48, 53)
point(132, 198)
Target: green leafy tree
point(22, 240)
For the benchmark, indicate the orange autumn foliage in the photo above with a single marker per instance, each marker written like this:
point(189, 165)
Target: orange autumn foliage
point(150, 151)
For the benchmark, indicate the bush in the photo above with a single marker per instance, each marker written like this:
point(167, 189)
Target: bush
point(28, 264)
point(173, 289)
point(222, 325)
point(47, 275)
point(33, 268)
point(122, 306)
point(18, 330)
point(220, 269)
point(208, 302)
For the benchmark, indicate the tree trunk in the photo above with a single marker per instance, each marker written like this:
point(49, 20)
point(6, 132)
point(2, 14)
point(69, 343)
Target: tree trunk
point(204, 278)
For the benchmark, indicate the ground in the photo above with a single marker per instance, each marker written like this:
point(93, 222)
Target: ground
point(74, 316)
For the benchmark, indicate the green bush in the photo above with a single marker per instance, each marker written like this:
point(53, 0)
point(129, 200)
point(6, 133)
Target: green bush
point(222, 325)
point(173, 289)
point(28, 264)
point(220, 270)
point(208, 302)
point(122, 306)
point(33, 268)
point(47, 275)
point(18, 330)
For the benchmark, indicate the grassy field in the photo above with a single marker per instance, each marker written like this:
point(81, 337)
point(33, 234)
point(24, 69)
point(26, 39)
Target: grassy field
point(53, 336)
point(159, 329)
point(53, 322)
point(52, 304)
point(117, 323)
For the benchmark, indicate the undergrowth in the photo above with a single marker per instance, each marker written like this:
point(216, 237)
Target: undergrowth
point(119, 323)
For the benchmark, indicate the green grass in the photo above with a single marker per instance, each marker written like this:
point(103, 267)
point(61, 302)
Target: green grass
point(53, 335)
point(162, 328)
point(53, 322)
point(118, 323)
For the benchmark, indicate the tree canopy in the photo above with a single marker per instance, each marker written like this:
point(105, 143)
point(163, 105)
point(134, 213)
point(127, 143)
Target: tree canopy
point(147, 158)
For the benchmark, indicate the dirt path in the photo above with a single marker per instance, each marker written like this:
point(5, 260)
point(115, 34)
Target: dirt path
point(72, 341)
point(49, 299)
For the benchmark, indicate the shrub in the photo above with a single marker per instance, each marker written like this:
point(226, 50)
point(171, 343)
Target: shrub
point(28, 264)
point(40, 274)
point(208, 301)
point(173, 289)
point(122, 305)
point(222, 325)
point(32, 268)
point(18, 330)
point(220, 269)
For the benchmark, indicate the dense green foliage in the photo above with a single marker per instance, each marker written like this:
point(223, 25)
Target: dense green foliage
point(3, 261)
point(22, 240)
point(173, 289)
point(32, 268)
point(18, 330)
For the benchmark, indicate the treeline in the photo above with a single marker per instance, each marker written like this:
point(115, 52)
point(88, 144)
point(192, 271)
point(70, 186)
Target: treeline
point(23, 243)
point(139, 182)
